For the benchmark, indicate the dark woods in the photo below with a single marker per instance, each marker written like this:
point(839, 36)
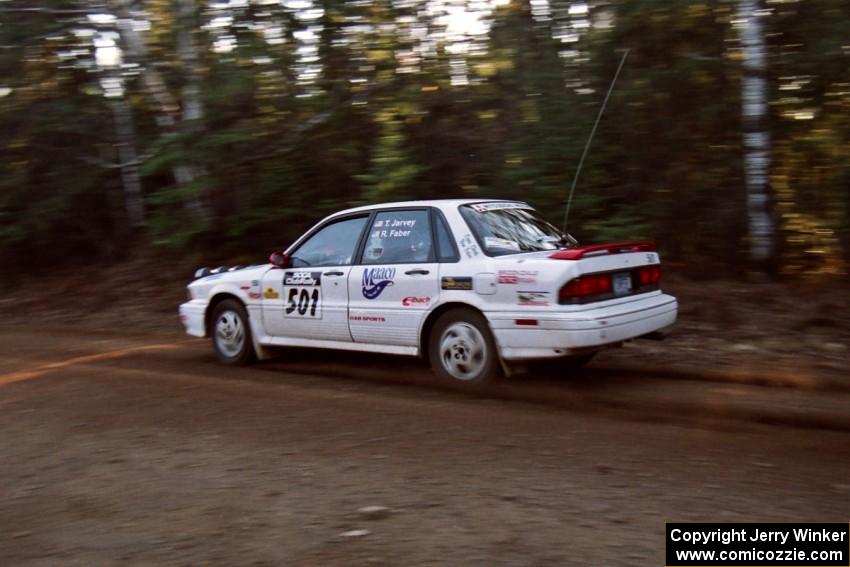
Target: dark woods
point(234, 125)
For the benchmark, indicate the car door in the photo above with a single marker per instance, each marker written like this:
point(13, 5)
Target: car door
point(310, 299)
point(397, 279)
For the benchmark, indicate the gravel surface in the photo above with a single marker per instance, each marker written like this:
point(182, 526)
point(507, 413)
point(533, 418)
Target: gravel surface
point(142, 450)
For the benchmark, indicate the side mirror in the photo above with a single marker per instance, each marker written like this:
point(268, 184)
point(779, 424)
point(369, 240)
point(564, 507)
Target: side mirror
point(279, 260)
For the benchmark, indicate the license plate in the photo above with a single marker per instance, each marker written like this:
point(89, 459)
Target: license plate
point(622, 283)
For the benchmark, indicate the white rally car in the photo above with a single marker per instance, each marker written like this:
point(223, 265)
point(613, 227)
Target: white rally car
point(472, 285)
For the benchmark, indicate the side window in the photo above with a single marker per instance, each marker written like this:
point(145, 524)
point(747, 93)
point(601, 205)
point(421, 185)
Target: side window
point(332, 245)
point(445, 247)
point(399, 237)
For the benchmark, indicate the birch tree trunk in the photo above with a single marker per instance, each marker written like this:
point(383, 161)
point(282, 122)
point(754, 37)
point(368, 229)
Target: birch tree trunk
point(756, 133)
point(167, 110)
point(193, 107)
point(125, 141)
point(126, 145)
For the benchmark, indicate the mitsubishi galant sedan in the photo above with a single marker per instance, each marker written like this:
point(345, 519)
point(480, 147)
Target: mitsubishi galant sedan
point(471, 285)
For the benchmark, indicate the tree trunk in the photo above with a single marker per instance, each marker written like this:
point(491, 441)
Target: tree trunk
point(756, 135)
point(125, 141)
point(193, 107)
point(167, 111)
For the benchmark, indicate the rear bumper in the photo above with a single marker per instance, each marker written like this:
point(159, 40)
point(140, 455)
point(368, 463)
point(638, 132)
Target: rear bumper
point(192, 317)
point(571, 332)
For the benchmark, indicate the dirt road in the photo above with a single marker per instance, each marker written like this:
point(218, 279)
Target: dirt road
point(145, 451)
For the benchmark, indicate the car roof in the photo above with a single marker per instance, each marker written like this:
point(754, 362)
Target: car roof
point(438, 203)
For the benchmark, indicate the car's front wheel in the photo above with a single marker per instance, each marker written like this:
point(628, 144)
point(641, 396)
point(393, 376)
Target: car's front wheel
point(461, 349)
point(231, 333)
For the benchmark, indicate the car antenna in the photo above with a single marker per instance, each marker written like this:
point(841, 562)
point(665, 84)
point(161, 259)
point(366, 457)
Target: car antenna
point(589, 139)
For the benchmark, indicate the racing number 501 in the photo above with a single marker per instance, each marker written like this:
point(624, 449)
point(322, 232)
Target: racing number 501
point(306, 300)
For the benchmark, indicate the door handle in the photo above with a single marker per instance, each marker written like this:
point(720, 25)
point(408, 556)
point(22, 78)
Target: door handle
point(334, 273)
point(418, 272)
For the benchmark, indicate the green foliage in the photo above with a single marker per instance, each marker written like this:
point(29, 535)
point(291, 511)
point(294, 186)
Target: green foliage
point(309, 112)
point(393, 171)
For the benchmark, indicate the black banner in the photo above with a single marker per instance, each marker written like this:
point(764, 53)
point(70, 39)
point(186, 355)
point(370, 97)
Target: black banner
point(758, 544)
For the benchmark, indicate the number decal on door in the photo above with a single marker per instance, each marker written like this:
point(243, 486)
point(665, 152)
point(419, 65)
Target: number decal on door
point(303, 294)
point(304, 303)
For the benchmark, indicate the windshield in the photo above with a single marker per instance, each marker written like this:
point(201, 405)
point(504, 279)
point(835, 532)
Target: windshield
point(512, 228)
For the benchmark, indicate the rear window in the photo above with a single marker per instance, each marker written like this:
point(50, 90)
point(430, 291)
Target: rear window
point(512, 228)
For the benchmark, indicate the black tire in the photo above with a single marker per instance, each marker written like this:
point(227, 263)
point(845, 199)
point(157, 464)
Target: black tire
point(228, 323)
point(470, 347)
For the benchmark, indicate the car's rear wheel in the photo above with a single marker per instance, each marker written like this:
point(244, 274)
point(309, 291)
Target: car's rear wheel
point(462, 351)
point(231, 333)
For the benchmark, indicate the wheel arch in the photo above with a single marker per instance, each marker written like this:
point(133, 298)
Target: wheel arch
point(428, 325)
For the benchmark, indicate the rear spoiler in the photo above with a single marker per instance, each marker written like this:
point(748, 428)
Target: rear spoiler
point(603, 250)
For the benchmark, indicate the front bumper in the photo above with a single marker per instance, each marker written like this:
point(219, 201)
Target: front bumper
point(561, 333)
point(192, 316)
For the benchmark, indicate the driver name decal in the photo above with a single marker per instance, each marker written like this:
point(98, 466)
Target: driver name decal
point(393, 228)
point(376, 280)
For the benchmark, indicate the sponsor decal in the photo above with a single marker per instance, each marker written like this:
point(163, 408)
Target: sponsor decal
point(456, 283)
point(470, 248)
point(367, 318)
point(253, 290)
point(413, 301)
point(302, 278)
point(493, 242)
point(533, 298)
point(376, 280)
point(270, 293)
point(484, 207)
point(515, 277)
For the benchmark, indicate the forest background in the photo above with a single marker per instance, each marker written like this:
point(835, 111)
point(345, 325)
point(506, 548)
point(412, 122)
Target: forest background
point(228, 127)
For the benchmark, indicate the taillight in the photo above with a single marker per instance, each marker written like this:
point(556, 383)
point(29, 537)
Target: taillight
point(649, 275)
point(583, 286)
point(599, 287)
